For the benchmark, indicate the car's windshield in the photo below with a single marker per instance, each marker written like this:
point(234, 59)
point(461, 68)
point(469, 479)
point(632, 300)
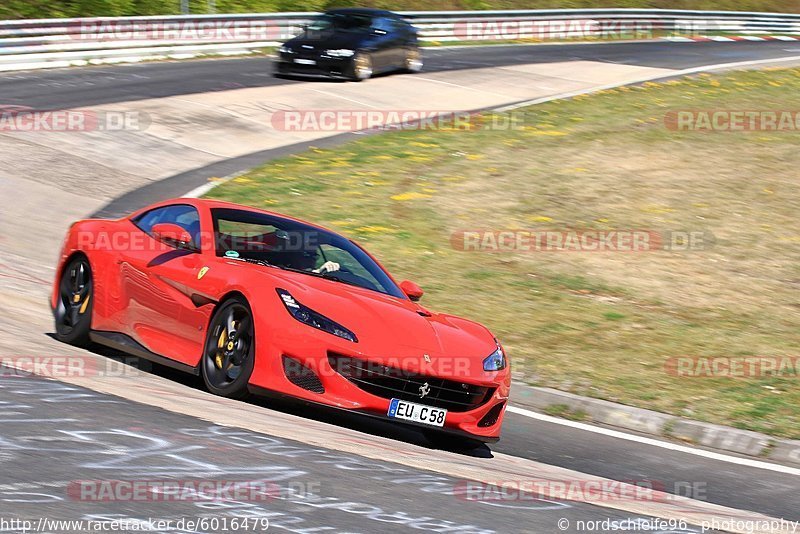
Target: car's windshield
point(287, 244)
point(346, 22)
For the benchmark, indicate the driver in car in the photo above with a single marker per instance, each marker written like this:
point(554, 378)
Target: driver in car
point(327, 267)
point(306, 260)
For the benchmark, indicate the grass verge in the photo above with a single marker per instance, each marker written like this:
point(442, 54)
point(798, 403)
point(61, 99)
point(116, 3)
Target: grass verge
point(602, 324)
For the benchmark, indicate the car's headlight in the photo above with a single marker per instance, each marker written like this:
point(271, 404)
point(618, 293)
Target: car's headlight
point(284, 50)
point(496, 361)
point(339, 52)
point(306, 315)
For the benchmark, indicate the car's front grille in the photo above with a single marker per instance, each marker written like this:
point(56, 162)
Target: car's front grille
point(394, 383)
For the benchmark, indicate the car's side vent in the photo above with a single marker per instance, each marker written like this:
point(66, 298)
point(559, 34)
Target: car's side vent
point(491, 416)
point(301, 376)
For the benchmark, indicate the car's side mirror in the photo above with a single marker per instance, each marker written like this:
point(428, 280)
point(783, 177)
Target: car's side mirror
point(412, 290)
point(173, 235)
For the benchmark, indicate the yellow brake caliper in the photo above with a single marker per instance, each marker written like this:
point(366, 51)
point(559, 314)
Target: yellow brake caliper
point(220, 347)
point(85, 303)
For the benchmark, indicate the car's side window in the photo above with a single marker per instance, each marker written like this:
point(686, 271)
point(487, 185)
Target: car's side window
point(383, 23)
point(183, 215)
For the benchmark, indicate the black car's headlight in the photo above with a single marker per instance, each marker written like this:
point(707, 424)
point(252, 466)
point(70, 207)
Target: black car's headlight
point(340, 52)
point(284, 50)
point(306, 315)
point(496, 361)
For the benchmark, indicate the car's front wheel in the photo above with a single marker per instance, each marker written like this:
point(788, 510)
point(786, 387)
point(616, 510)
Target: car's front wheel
point(362, 66)
point(229, 354)
point(73, 311)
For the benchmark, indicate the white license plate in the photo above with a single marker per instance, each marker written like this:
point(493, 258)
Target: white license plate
point(419, 413)
point(300, 61)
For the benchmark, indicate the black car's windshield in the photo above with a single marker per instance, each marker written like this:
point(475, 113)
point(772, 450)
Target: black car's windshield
point(287, 244)
point(346, 22)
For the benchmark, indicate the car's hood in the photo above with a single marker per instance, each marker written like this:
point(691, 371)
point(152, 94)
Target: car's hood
point(320, 41)
point(389, 327)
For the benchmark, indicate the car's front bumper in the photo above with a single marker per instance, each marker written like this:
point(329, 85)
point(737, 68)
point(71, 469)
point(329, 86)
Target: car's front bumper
point(269, 377)
point(449, 430)
point(323, 67)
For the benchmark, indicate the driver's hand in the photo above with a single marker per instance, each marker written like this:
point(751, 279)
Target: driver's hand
point(328, 267)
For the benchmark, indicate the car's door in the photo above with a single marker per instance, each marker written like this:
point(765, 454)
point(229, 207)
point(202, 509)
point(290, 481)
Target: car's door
point(386, 42)
point(156, 282)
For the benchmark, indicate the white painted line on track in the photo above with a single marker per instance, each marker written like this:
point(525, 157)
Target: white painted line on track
point(748, 462)
point(198, 192)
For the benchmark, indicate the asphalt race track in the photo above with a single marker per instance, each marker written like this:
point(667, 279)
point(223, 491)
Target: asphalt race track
point(103, 438)
point(71, 88)
point(328, 472)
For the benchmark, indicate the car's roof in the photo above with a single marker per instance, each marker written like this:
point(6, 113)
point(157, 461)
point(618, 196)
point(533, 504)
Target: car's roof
point(362, 11)
point(213, 204)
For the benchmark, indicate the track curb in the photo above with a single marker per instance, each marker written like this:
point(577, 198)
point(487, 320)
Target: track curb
point(666, 426)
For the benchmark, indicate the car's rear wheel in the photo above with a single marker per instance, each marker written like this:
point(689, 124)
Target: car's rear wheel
point(362, 66)
point(413, 61)
point(229, 354)
point(73, 312)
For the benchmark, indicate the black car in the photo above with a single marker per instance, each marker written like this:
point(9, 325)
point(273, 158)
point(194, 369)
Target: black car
point(352, 43)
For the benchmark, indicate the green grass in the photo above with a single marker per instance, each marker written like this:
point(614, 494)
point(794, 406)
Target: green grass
point(565, 412)
point(596, 324)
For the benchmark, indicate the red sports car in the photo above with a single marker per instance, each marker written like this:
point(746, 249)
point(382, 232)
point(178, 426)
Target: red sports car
point(261, 303)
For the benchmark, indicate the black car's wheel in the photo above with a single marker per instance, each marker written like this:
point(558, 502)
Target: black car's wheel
point(73, 312)
point(229, 355)
point(362, 66)
point(443, 440)
point(413, 62)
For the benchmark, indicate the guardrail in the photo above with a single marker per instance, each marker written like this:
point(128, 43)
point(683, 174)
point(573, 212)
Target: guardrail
point(63, 42)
